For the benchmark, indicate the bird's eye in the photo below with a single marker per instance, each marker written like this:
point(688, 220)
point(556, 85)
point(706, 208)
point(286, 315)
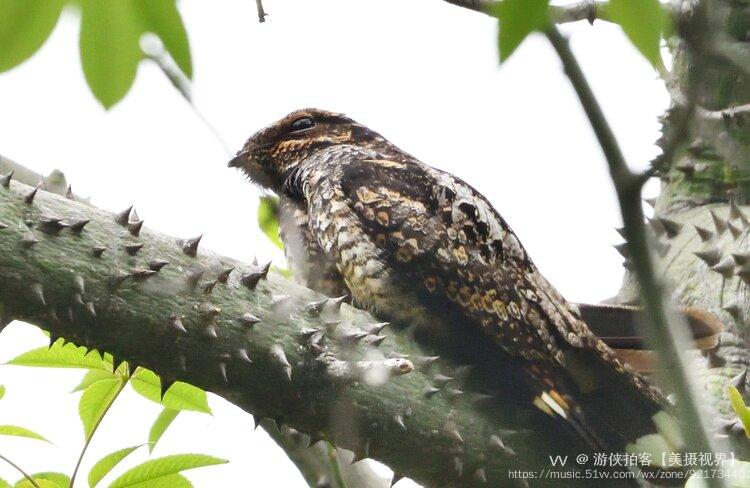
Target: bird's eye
point(303, 123)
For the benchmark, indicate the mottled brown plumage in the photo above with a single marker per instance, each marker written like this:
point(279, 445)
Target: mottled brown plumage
point(419, 246)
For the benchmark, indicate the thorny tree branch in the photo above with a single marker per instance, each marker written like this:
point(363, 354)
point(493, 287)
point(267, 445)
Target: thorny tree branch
point(273, 348)
point(589, 10)
point(664, 333)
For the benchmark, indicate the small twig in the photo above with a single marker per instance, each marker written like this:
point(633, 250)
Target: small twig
point(93, 431)
point(333, 458)
point(261, 13)
point(589, 10)
point(731, 115)
point(663, 333)
point(18, 468)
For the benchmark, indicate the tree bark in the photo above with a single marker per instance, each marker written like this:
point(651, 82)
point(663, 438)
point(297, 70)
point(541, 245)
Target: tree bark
point(271, 347)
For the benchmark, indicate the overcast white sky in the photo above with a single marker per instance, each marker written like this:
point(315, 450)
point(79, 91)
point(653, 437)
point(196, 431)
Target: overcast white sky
point(422, 72)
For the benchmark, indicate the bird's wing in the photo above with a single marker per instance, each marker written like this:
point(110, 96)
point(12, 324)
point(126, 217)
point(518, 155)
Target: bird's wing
point(441, 233)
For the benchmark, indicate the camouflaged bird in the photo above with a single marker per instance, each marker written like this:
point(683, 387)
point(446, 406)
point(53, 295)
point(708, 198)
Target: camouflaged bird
point(416, 245)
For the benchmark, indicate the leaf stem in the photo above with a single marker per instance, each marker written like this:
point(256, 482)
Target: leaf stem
point(93, 430)
point(18, 468)
point(661, 331)
point(336, 467)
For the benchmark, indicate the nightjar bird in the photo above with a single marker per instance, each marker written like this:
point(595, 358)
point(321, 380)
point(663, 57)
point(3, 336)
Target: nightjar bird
point(416, 245)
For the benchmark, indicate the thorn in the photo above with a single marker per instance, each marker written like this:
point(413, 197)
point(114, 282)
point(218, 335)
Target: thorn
point(719, 224)
point(740, 381)
point(480, 475)
point(705, 234)
point(622, 249)
point(242, 355)
point(249, 319)
point(76, 227)
point(307, 334)
point(426, 361)
point(354, 337)
point(51, 225)
point(123, 217)
point(53, 337)
point(709, 256)
point(334, 304)
point(69, 193)
point(140, 274)
point(183, 362)
point(3, 226)
point(315, 308)
point(166, 384)
point(190, 246)
point(453, 393)
point(28, 241)
point(278, 355)
point(38, 292)
point(118, 279)
point(194, 277)
point(455, 435)
point(256, 420)
point(650, 201)
point(176, 323)
point(132, 249)
point(90, 309)
point(224, 275)
point(157, 264)
point(223, 371)
point(733, 309)
point(744, 274)
point(376, 329)
point(375, 340)
point(251, 279)
point(497, 442)
point(5, 180)
point(441, 379)
point(209, 287)
point(725, 267)
point(210, 332)
point(671, 227)
point(399, 420)
point(29, 198)
point(429, 391)
point(97, 251)
point(135, 228)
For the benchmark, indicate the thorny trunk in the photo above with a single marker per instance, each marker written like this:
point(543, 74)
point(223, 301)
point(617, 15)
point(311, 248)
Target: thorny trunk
point(700, 219)
point(273, 348)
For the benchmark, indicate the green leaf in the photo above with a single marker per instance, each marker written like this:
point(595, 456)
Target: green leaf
point(518, 19)
point(170, 481)
point(158, 468)
point(162, 422)
point(24, 26)
point(107, 464)
point(268, 219)
point(643, 21)
point(180, 396)
point(110, 49)
point(163, 19)
point(24, 483)
point(59, 479)
point(95, 402)
point(92, 376)
point(4, 484)
point(59, 356)
point(2, 391)
point(738, 404)
point(20, 432)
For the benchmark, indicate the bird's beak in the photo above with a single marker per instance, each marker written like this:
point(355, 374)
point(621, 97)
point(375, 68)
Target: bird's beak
point(239, 160)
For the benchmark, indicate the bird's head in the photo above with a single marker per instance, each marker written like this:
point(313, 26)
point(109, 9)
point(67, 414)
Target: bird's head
point(272, 154)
